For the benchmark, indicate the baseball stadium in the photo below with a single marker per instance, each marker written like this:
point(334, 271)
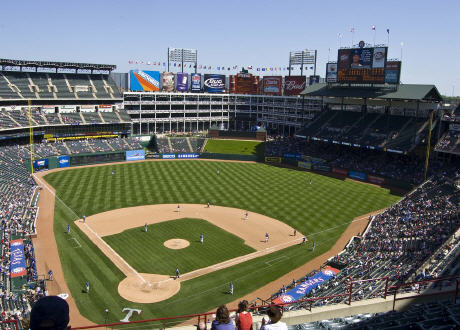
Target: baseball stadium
point(166, 198)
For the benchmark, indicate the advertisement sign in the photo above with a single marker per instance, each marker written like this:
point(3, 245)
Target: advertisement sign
point(375, 179)
point(135, 154)
point(195, 82)
point(331, 72)
point(379, 57)
point(104, 106)
point(289, 155)
point(243, 83)
point(40, 163)
point(17, 258)
point(63, 161)
point(339, 170)
point(319, 167)
point(168, 156)
point(188, 156)
point(293, 85)
point(271, 85)
point(182, 82)
point(273, 160)
point(214, 83)
point(168, 82)
point(357, 175)
point(144, 81)
point(306, 165)
point(313, 80)
point(392, 72)
point(305, 287)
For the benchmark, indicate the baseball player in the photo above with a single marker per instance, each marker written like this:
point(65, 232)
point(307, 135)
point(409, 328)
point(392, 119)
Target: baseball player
point(84, 218)
point(294, 283)
point(113, 172)
point(177, 273)
point(68, 229)
point(50, 275)
point(209, 205)
point(201, 238)
point(178, 208)
point(295, 232)
point(218, 171)
point(87, 286)
point(266, 237)
point(231, 288)
point(314, 245)
point(246, 215)
point(304, 240)
point(310, 181)
point(145, 227)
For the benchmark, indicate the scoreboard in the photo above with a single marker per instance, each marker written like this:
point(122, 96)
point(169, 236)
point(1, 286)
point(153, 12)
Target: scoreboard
point(363, 76)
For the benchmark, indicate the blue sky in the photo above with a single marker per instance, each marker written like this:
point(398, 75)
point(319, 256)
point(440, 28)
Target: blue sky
point(257, 33)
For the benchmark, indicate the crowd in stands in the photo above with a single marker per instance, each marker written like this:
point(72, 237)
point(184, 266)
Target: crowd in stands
point(450, 142)
point(397, 243)
point(18, 197)
point(390, 165)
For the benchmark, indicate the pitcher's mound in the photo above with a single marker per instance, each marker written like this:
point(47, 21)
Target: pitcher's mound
point(155, 288)
point(176, 243)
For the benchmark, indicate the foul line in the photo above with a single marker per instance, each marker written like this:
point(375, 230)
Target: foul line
point(104, 243)
point(76, 241)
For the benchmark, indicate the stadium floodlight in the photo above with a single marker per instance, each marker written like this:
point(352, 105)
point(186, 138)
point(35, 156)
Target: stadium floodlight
point(184, 56)
point(301, 58)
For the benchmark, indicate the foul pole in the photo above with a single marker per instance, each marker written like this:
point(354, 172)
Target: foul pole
point(31, 138)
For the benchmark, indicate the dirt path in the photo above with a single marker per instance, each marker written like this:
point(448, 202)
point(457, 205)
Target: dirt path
point(232, 220)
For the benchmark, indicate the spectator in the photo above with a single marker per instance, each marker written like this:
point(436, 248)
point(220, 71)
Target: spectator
point(50, 313)
point(274, 313)
point(222, 321)
point(243, 317)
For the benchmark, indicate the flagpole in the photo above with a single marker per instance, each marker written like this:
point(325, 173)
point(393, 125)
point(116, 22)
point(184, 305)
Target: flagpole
point(375, 30)
point(352, 36)
point(388, 37)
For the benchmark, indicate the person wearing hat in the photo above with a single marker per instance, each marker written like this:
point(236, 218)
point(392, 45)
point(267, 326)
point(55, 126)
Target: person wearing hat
point(51, 312)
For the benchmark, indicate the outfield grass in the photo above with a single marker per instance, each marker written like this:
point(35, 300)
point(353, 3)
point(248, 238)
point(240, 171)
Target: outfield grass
point(147, 254)
point(322, 210)
point(235, 147)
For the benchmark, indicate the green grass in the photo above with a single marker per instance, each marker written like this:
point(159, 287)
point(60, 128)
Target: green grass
point(235, 147)
point(218, 246)
point(323, 210)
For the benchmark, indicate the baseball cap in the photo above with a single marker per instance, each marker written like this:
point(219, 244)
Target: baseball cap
point(51, 313)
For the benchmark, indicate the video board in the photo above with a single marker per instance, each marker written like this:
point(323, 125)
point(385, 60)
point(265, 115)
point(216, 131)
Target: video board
point(392, 72)
point(362, 65)
point(144, 81)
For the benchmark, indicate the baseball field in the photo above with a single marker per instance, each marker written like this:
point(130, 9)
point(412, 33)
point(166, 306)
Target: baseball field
point(321, 211)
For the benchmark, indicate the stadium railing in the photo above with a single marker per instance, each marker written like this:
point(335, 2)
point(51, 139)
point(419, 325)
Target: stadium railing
point(388, 292)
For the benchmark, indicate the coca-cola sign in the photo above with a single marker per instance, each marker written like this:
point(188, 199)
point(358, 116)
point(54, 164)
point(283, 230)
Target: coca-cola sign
point(272, 85)
point(214, 83)
point(293, 85)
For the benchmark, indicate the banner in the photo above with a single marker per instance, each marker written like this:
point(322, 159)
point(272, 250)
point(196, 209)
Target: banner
point(168, 156)
point(135, 154)
point(339, 170)
point(195, 82)
point(293, 85)
point(305, 287)
point(144, 81)
point(375, 179)
point(40, 163)
point(63, 161)
point(17, 258)
point(325, 168)
point(289, 155)
point(306, 165)
point(182, 82)
point(271, 85)
point(357, 175)
point(188, 155)
point(168, 82)
point(273, 160)
point(331, 72)
point(214, 83)
point(313, 80)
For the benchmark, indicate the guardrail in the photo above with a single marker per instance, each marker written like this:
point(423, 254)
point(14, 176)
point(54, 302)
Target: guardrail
point(388, 291)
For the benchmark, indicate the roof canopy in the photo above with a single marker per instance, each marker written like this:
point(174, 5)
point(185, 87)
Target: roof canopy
point(401, 92)
point(51, 64)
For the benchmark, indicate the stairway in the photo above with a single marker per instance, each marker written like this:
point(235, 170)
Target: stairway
point(83, 118)
point(189, 144)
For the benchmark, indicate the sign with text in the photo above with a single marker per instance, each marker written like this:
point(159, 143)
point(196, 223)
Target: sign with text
point(271, 85)
point(293, 85)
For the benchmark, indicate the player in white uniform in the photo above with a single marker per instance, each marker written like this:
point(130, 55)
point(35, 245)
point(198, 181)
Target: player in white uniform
point(266, 237)
point(201, 238)
point(178, 208)
point(246, 215)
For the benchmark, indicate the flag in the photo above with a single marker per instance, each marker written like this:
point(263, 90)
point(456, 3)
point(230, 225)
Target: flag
point(148, 63)
point(263, 69)
point(352, 30)
point(258, 69)
point(164, 64)
point(178, 65)
point(388, 30)
point(311, 68)
point(174, 64)
point(373, 27)
point(137, 62)
point(199, 67)
point(218, 68)
point(250, 67)
point(130, 62)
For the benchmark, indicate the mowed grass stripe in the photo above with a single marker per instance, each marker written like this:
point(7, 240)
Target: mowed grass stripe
point(283, 194)
point(147, 254)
